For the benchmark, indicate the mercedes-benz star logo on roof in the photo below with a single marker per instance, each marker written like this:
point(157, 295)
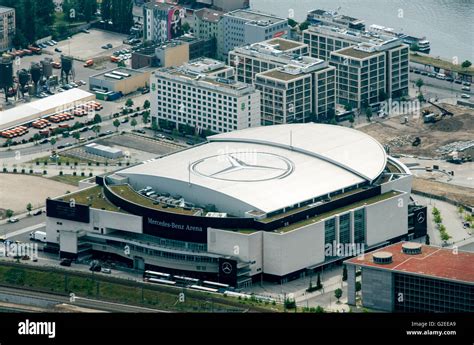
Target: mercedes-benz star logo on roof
point(254, 167)
point(226, 268)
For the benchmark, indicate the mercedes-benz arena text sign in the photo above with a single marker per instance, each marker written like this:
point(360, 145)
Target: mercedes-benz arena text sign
point(243, 167)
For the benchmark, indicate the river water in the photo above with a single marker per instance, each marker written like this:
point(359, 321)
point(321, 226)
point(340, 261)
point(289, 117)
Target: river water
point(448, 24)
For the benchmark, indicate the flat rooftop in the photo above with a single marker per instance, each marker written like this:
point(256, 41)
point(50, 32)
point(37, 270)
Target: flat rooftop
point(32, 110)
point(285, 44)
point(356, 53)
point(125, 71)
point(209, 15)
point(4, 9)
point(281, 74)
point(434, 262)
point(256, 16)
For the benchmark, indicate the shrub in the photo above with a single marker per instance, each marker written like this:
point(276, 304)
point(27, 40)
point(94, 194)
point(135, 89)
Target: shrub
point(61, 173)
point(74, 173)
point(45, 172)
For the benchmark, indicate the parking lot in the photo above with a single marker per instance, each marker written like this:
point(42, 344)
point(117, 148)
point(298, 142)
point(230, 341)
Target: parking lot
point(19, 190)
point(87, 46)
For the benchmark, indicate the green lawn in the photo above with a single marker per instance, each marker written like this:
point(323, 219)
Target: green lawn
point(69, 179)
point(444, 64)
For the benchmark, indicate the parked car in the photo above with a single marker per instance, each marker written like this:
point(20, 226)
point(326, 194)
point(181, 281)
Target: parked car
point(37, 212)
point(66, 262)
point(465, 96)
point(457, 81)
point(106, 270)
point(450, 79)
point(145, 90)
point(13, 220)
point(108, 132)
point(466, 88)
point(466, 83)
point(58, 50)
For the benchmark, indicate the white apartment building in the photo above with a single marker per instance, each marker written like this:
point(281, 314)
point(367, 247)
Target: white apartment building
point(198, 95)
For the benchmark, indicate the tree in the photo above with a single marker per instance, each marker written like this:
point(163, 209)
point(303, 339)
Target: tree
point(97, 118)
point(466, 64)
point(9, 213)
point(368, 113)
point(134, 123)
point(106, 9)
point(185, 27)
point(338, 294)
point(435, 211)
point(53, 142)
point(29, 207)
point(437, 218)
point(445, 236)
point(36, 137)
point(304, 25)
point(96, 130)
point(358, 286)
point(146, 104)
point(116, 124)
point(319, 309)
point(76, 135)
point(460, 211)
point(121, 15)
point(344, 273)
point(292, 22)
point(129, 103)
point(427, 239)
point(318, 283)
point(121, 64)
point(419, 84)
point(351, 120)
point(421, 98)
point(146, 117)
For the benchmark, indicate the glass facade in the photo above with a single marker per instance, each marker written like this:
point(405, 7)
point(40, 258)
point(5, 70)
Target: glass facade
point(421, 294)
point(359, 226)
point(345, 228)
point(330, 231)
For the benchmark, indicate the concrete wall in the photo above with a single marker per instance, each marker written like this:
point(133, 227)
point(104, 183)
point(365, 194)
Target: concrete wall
point(387, 219)
point(68, 241)
point(174, 56)
point(247, 247)
point(103, 219)
point(294, 250)
point(377, 289)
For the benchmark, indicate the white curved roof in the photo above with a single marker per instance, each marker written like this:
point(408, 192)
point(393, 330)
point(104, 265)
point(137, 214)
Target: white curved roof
point(263, 169)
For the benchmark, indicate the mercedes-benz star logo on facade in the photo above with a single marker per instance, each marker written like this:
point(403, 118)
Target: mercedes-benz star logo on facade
point(420, 217)
point(226, 268)
point(249, 167)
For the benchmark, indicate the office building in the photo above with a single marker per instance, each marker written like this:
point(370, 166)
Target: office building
point(302, 91)
point(263, 56)
point(243, 27)
point(161, 22)
point(7, 27)
point(413, 277)
point(199, 95)
point(208, 25)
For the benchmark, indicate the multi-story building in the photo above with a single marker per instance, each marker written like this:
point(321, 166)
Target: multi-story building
point(360, 74)
point(199, 95)
point(161, 22)
point(208, 25)
point(412, 277)
point(337, 44)
point(7, 27)
point(243, 27)
point(301, 91)
point(332, 18)
point(263, 56)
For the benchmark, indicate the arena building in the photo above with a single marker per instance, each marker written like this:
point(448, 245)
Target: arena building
point(257, 203)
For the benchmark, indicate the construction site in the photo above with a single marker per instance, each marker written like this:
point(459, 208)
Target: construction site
point(429, 134)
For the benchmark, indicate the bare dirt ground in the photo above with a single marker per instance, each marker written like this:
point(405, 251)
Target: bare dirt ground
point(18, 190)
point(463, 195)
point(399, 137)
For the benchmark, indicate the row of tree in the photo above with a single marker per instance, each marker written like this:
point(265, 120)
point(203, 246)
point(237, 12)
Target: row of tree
point(119, 12)
point(79, 10)
point(34, 19)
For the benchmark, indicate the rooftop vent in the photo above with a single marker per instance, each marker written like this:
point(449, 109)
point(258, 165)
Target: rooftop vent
point(382, 258)
point(411, 248)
